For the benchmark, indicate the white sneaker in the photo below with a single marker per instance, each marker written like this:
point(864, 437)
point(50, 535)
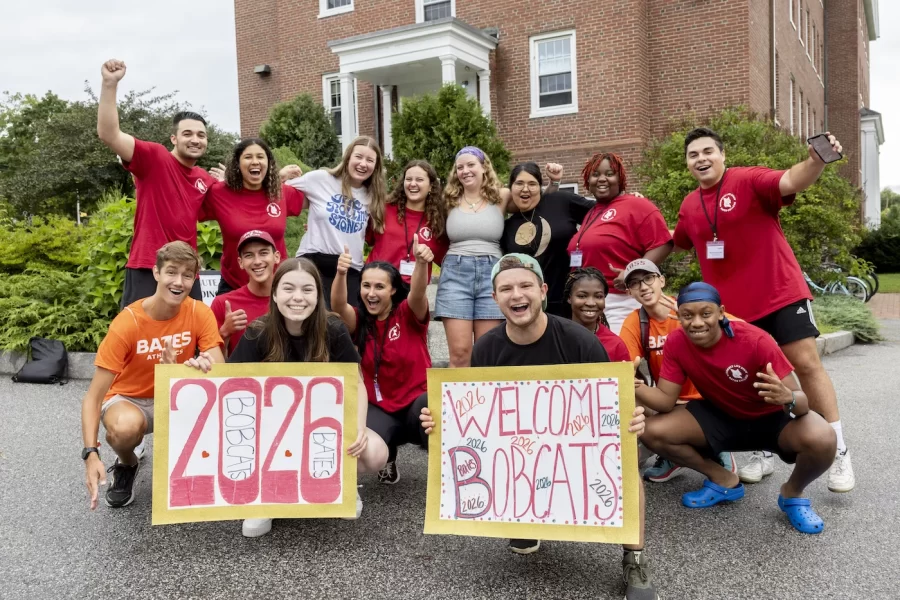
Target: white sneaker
point(760, 465)
point(358, 508)
point(840, 476)
point(256, 527)
point(141, 448)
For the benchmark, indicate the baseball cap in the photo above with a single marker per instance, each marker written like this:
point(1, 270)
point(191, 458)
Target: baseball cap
point(255, 235)
point(641, 264)
point(526, 262)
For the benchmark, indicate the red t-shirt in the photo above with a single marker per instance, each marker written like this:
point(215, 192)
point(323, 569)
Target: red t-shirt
point(403, 360)
point(613, 344)
point(241, 298)
point(759, 273)
point(168, 196)
point(395, 243)
point(244, 210)
point(618, 233)
point(725, 373)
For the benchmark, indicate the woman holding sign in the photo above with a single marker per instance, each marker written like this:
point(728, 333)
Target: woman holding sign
point(391, 331)
point(619, 229)
point(298, 328)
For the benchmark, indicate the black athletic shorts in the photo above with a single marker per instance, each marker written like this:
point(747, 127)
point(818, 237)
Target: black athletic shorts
point(789, 324)
point(140, 284)
point(401, 427)
point(725, 433)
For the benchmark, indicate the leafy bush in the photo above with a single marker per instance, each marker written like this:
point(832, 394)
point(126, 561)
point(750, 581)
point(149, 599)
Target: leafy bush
point(303, 126)
point(435, 127)
point(821, 226)
point(882, 248)
point(53, 242)
point(209, 244)
point(848, 314)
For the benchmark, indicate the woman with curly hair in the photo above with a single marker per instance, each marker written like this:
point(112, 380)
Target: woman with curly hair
point(622, 227)
point(416, 207)
point(250, 198)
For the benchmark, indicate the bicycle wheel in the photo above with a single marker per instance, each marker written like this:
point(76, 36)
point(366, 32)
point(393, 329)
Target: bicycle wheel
point(858, 288)
point(872, 280)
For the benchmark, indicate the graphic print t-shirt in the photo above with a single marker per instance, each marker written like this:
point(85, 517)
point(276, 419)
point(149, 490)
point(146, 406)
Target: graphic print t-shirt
point(332, 224)
point(564, 342)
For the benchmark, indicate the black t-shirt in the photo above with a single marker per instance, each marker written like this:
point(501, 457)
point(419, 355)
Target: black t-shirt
point(253, 346)
point(564, 342)
point(556, 218)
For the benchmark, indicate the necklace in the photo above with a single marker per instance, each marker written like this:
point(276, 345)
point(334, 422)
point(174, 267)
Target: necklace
point(527, 231)
point(473, 206)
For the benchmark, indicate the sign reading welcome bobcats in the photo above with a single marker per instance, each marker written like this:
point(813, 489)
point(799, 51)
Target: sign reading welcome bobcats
point(254, 441)
point(534, 452)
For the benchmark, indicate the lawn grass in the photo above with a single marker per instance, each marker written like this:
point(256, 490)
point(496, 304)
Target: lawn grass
point(889, 283)
point(824, 329)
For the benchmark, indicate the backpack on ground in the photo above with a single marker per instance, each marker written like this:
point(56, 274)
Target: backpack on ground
point(49, 363)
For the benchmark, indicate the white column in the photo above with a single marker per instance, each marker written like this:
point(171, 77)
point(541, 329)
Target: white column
point(484, 91)
point(347, 109)
point(448, 69)
point(388, 141)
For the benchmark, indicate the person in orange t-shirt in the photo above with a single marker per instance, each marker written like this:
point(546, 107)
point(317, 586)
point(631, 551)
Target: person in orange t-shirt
point(166, 328)
point(645, 283)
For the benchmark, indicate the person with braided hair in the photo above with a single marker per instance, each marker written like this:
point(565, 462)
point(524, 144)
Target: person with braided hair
point(586, 292)
point(619, 229)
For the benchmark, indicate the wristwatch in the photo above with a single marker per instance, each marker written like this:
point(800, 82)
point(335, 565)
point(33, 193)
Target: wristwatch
point(85, 452)
point(790, 407)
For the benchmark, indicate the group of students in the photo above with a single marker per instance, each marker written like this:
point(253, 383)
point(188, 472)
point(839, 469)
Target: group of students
point(579, 283)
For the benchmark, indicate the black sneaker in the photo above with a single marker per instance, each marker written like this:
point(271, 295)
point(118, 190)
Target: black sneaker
point(119, 493)
point(638, 576)
point(524, 546)
point(389, 475)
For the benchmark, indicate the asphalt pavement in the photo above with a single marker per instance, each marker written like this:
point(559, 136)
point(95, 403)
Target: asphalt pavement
point(52, 546)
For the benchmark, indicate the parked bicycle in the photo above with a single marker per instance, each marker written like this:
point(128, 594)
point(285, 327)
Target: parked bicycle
point(849, 286)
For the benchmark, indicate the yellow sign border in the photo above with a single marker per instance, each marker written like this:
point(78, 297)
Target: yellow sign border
point(163, 515)
point(629, 533)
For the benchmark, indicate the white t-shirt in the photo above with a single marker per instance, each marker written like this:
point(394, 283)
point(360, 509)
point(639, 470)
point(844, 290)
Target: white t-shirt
point(330, 225)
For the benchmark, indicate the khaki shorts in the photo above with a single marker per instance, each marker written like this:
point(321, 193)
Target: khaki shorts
point(145, 405)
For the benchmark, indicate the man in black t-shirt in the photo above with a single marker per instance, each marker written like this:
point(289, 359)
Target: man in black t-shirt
point(532, 337)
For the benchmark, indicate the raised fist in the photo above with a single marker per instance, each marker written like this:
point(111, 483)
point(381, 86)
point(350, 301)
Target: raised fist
point(112, 71)
point(554, 171)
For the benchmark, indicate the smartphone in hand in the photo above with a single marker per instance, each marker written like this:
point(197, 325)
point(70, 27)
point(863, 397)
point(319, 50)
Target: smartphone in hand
point(824, 149)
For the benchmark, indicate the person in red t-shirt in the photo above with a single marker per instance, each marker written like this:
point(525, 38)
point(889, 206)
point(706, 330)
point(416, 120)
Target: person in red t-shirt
point(586, 291)
point(619, 229)
point(258, 257)
point(250, 197)
point(731, 220)
point(169, 187)
point(752, 402)
point(416, 207)
point(391, 332)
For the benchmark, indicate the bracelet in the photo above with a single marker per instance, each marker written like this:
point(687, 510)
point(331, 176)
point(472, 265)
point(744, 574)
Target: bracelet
point(790, 407)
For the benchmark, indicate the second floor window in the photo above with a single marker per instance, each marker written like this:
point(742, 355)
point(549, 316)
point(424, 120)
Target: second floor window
point(436, 9)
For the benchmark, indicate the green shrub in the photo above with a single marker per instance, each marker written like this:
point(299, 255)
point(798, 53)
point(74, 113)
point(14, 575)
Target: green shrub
point(53, 242)
point(882, 246)
point(303, 126)
point(848, 314)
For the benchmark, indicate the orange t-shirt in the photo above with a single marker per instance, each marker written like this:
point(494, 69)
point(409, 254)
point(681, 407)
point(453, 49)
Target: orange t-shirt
point(659, 331)
point(134, 344)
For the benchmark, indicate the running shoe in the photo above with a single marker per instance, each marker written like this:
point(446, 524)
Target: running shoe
point(760, 465)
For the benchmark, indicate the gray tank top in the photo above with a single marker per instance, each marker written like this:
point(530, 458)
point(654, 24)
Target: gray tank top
point(475, 234)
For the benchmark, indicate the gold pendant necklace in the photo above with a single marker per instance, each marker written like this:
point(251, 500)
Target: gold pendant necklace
point(527, 232)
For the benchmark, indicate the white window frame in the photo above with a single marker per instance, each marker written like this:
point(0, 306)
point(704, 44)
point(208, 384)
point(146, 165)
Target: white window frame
point(791, 13)
point(791, 104)
point(326, 102)
point(420, 10)
point(775, 92)
point(800, 21)
point(807, 119)
point(551, 111)
point(812, 48)
point(800, 113)
point(806, 32)
point(569, 187)
point(324, 11)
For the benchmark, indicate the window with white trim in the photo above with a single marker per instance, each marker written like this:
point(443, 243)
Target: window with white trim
point(791, 105)
point(807, 120)
point(334, 105)
point(800, 20)
point(775, 90)
point(806, 32)
point(791, 12)
point(800, 114)
point(328, 8)
point(569, 187)
point(432, 10)
point(554, 85)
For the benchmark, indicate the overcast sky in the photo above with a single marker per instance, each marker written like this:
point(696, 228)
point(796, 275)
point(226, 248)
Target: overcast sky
point(188, 46)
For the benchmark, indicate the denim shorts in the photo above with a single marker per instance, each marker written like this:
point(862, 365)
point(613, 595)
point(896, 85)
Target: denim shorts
point(464, 290)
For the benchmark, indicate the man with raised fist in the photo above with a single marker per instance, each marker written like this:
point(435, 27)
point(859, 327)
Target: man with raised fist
point(169, 187)
point(166, 328)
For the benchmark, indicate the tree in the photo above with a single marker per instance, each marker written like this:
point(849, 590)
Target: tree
point(889, 198)
point(822, 225)
point(303, 126)
point(51, 157)
point(435, 127)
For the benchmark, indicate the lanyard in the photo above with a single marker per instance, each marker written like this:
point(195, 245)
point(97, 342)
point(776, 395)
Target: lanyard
point(406, 232)
point(379, 348)
point(713, 225)
point(588, 222)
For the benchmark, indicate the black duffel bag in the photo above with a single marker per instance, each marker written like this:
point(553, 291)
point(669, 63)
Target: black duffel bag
point(49, 363)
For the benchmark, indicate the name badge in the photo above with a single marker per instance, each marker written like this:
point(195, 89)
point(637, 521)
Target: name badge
point(407, 267)
point(575, 258)
point(715, 250)
point(377, 393)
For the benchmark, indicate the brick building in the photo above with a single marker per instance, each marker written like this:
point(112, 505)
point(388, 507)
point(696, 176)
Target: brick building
point(563, 79)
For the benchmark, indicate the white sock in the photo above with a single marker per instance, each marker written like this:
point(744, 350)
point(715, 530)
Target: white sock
point(841, 446)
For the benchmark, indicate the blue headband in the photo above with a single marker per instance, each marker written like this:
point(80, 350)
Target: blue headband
point(703, 292)
point(476, 152)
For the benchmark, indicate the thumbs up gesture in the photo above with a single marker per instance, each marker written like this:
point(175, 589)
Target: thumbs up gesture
point(422, 252)
point(771, 389)
point(168, 353)
point(345, 261)
point(234, 320)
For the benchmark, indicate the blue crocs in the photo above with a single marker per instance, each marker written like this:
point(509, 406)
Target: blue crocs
point(801, 515)
point(711, 494)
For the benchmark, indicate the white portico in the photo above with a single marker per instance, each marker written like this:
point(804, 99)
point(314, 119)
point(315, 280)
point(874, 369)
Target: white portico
point(412, 60)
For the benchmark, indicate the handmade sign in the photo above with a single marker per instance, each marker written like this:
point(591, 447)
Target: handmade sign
point(534, 453)
point(253, 441)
